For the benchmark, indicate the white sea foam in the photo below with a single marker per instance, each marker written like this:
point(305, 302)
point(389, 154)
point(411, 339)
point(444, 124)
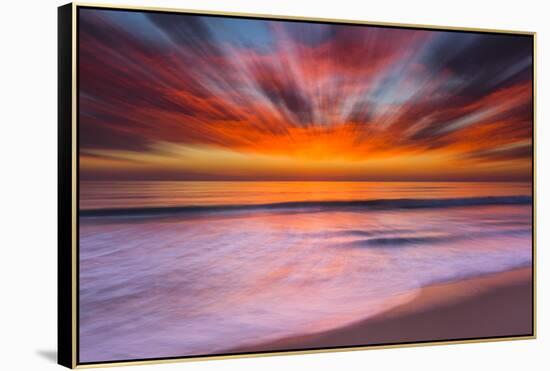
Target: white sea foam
point(188, 286)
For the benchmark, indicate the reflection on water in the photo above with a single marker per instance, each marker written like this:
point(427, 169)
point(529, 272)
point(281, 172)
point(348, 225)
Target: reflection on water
point(100, 195)
point(185, 286)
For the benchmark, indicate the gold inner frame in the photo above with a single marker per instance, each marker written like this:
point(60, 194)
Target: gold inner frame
point(74, 166)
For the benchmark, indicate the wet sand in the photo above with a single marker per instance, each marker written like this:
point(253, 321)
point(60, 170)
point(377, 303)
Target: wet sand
point(489, 306)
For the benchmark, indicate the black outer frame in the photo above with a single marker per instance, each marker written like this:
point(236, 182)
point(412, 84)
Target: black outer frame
point(64, 189)
point(68, 356)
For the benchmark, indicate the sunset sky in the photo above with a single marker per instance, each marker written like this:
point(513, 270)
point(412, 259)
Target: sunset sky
point(184, 97)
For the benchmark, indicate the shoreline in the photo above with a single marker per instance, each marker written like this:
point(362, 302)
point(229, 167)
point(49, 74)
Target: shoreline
point(491, 305)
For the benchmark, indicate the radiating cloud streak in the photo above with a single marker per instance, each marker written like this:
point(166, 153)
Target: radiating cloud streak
point(162, 95)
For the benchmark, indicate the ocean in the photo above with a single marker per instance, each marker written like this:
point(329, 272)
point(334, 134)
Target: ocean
point(183, 268)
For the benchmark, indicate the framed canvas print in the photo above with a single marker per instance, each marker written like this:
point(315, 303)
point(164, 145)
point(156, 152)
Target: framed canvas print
point(234, 185)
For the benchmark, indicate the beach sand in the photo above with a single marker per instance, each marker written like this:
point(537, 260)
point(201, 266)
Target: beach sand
point(489, 306)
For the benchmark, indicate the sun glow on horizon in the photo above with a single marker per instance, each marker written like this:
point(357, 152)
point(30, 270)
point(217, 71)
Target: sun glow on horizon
point(287, 100)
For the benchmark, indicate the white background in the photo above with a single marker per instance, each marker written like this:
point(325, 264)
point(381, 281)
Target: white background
point(28, 183)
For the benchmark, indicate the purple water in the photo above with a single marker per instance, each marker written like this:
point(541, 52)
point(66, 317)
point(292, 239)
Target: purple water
point(191, 283)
